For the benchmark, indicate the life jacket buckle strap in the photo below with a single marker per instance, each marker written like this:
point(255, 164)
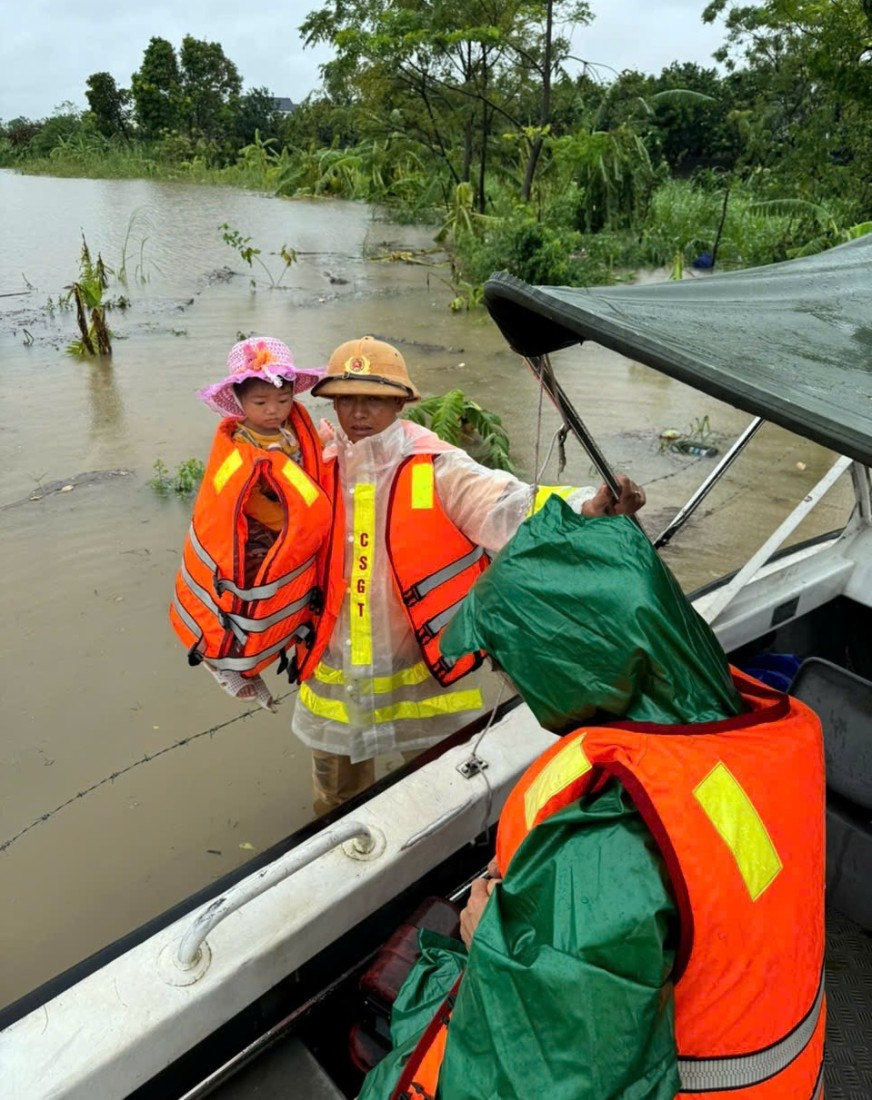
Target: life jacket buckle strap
point(411, 596)
point(229, 623)
point(290, 666)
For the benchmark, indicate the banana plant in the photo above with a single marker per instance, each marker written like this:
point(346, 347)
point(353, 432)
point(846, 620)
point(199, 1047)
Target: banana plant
point(458, 420)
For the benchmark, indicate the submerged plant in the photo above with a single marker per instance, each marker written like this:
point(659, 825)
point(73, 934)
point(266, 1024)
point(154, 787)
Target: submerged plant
point(87, 296)
point(458, 420)
point(185, 481)
point(251, 253)
point(696, 439)
point(136, 218)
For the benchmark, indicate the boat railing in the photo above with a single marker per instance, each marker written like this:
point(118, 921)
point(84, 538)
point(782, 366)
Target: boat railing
point(362, 839)
point(724, 596)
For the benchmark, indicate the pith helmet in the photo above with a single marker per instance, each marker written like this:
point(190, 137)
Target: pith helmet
point(368, 367)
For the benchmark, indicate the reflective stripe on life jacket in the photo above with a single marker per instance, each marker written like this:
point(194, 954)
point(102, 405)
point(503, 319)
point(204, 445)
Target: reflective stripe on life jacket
point(218, 618)
point(737, 810)
point(434, 564)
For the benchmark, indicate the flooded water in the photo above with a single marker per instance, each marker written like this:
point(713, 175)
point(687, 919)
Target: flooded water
point(127, 779)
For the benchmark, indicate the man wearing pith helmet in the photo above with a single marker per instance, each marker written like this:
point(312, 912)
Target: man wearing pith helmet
point(415, 520)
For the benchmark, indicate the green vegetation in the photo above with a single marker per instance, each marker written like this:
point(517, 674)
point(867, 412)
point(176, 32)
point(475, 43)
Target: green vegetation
point(252, 254)
point(478, 120)
point(86, 293)
point(185, 481)
point(458, 420)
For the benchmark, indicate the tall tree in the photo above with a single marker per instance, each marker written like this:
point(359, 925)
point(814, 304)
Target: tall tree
point(456, 69)
point(210, 84)
point(688, 113)
point(545, 52)
point(156, 89)
point(811, 119)
point(255, 113)
point(110, 105)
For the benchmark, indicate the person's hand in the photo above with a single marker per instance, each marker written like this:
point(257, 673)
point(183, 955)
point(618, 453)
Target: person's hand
point(604, 504)
point(479, 892)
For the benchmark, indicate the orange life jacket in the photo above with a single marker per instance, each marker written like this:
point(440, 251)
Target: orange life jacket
point(219, 619)
point(433, 563)
point(737, 811)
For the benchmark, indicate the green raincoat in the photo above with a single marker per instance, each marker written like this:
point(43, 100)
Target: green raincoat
point(567, 992)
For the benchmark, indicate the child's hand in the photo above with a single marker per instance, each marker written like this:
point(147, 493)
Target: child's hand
point(253, 688)
point(257, 690)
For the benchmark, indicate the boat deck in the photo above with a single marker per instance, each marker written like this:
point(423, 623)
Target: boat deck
point(289, 1068)
point(848, 1060)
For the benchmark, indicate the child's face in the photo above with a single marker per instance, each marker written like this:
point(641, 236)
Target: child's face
point(265, 406)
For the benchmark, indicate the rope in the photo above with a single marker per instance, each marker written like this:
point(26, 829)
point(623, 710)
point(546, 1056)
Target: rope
point(136, 763)
point(489, 801)
point(536, 470)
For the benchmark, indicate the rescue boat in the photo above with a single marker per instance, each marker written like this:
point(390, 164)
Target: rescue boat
point(263, 984)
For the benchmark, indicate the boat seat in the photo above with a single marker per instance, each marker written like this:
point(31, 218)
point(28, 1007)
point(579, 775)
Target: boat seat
point(843, 702)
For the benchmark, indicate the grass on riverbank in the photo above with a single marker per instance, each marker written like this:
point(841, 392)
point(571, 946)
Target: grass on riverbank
point(710, 218)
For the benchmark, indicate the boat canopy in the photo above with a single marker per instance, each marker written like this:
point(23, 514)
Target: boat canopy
point(790, 342)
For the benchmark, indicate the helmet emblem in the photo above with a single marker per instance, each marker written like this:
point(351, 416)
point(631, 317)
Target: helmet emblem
point(357, 364)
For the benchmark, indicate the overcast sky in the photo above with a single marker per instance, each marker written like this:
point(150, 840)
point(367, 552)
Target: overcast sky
point(48, 48)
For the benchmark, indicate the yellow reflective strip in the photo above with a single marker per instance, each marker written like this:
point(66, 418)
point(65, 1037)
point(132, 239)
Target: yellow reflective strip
point(327, 675)
point(226, 470)
point(378, 685)
point(735, 817)
point(422, 485)
point(450, 703)
point(361, 573)
point(546, 491)
point(300, 481)
point(569, 764)
point(406, 677)
point(324, 708)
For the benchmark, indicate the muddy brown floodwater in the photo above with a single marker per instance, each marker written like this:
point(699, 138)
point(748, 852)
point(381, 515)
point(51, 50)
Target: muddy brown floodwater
point(127, 779)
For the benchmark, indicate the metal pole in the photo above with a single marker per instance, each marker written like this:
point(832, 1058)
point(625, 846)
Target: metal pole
point(540, 365)
point(684, 514)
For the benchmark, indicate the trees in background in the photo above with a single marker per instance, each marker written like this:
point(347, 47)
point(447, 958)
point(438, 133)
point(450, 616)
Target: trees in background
point(808, 92)
point(156, 87)
point(474, 114)
point(110, 105)
point(195, 92)
point(469, 80)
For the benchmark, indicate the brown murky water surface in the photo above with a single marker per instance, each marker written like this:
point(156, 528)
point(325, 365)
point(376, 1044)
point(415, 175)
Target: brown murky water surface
point(127, 779)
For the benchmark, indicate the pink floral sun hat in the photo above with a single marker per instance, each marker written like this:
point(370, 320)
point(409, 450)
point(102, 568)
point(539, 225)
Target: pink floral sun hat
point(257, 357)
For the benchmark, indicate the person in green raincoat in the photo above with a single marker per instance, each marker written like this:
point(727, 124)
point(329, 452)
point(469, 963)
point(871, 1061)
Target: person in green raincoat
point(566, 964)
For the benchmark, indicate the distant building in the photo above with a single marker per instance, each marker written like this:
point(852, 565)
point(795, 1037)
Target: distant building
point(284, 105)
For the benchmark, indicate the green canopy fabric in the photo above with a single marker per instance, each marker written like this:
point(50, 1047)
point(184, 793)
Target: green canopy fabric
point(584, 617)
point(789, 342)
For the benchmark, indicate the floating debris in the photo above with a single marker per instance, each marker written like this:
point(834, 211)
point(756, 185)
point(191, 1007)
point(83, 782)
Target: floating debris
point(694, 449)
